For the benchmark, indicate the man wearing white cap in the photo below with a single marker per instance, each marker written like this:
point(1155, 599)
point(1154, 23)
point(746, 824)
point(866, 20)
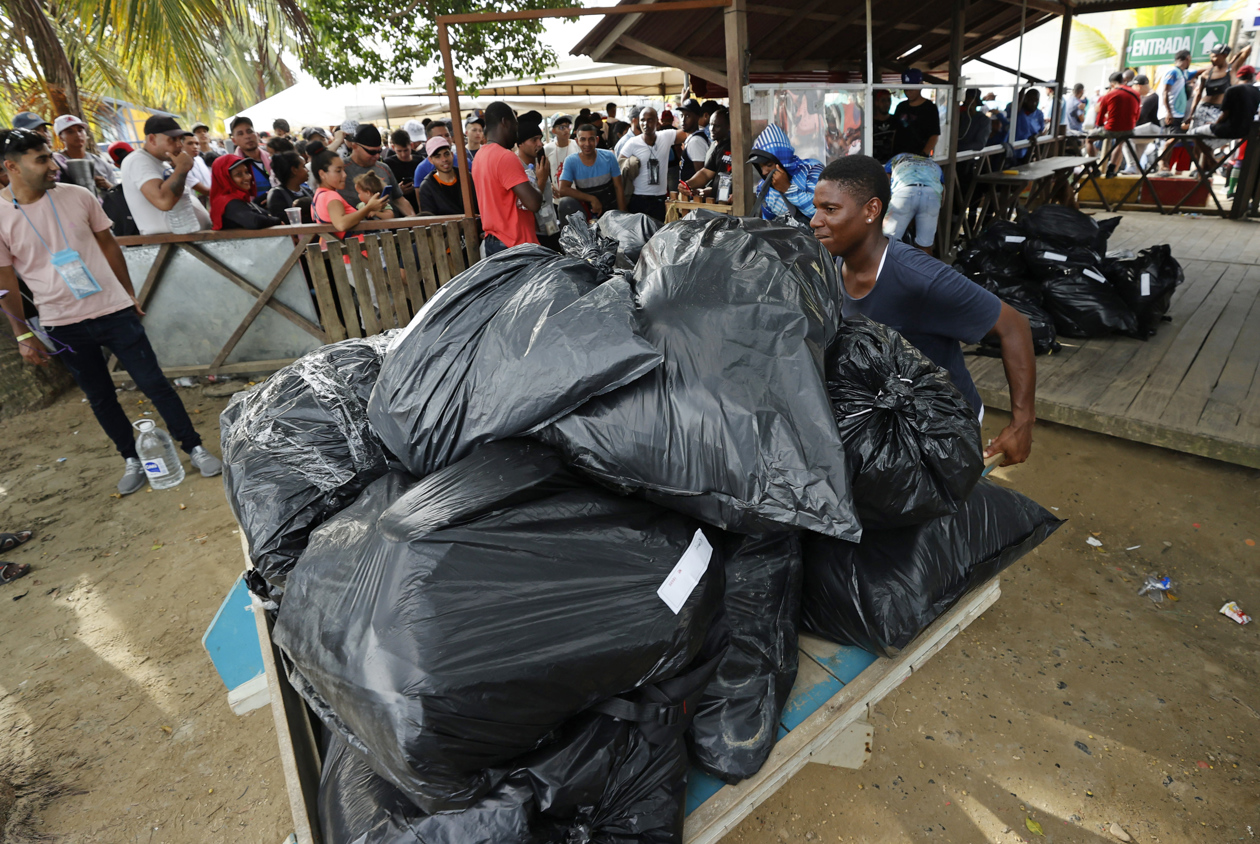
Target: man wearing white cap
point(74, 136)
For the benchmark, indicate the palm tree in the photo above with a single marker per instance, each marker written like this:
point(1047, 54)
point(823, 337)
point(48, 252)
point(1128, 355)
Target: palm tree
point(176, 53)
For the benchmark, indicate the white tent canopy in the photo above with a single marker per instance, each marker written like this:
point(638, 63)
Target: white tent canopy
point(567, 87)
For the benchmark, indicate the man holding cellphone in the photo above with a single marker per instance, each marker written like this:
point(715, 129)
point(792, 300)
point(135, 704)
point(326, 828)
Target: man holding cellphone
point(365, 157)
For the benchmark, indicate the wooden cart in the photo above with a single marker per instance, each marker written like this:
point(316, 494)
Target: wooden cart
point(824, 722)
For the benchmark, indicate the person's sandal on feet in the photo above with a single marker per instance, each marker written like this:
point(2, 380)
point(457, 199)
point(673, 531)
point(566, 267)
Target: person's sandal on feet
point(9, 541)
point(133, 477)
point(207, 463)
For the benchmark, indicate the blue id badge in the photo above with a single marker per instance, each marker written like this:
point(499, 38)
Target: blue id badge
point(73, 272)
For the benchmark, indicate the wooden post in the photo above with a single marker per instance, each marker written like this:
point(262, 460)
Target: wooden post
point(1060, 70)
point(945, 234)
point(736, 20)
point(457, 123)
point(1249, 178)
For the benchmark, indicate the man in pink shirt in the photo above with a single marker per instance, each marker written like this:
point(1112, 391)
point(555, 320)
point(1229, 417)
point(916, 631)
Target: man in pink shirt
point(59, 239)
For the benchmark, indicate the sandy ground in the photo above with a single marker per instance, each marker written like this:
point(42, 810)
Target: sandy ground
point(1073, 703)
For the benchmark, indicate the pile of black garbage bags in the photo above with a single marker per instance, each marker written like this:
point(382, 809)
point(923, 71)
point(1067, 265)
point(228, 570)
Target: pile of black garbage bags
point(534, 557)
point(1054, 268)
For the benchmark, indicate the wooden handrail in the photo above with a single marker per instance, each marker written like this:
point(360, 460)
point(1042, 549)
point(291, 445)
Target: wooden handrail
point(283, 231)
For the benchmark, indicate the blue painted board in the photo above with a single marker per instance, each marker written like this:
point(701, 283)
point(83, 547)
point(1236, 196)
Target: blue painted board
point(231, 640)
point(822, 674)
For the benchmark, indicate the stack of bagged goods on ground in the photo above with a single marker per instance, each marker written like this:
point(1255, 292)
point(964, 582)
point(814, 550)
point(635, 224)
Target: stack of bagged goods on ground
point(563, 551)
point(299, 449)
point(1053, 268)
point(932, 528)
point(613, 242)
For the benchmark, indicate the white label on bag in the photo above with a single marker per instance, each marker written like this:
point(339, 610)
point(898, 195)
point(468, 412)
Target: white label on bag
point(1146, 284)
point(1015, 238)
point(691, 567)
point(1053, 256)
point(155, 466)
point(1094, 274)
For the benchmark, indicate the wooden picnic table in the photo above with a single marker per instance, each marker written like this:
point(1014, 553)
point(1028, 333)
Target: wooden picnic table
point(1046, 177)
point(676, 209)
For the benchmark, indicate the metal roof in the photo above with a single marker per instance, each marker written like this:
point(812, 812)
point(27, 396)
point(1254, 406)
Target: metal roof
point(816, 36)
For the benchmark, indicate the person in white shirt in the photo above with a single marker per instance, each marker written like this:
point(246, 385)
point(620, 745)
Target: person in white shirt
point(199, 177)
point(697, 145)
point(156, 197)
point(635, 113)
point(73, 133)
point(652, 150)
point(559, 149)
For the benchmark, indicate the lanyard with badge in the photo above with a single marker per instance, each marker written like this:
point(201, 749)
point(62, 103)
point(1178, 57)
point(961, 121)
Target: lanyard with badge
point(68, 263)
point(654, 166)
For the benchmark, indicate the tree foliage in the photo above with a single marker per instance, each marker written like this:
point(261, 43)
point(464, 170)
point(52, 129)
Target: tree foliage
point(348, 45)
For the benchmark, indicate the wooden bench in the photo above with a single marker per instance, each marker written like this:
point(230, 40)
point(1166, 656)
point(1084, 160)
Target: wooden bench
point(824, 722)
point(1044, 178)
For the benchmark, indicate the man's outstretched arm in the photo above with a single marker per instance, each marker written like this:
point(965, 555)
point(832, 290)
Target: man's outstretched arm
point(1020, 364)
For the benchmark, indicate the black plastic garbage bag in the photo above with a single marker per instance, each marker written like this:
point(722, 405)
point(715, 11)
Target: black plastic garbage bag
point(1084, 304)
point(1048, 260)
point(912, 441)
point(1002, 236)
point(1146, 283)
point(630, 231)
point(1063, 226)
point(297, 449)
point(737, 723)
point(605, 780)
point(582, 241)
point(516, 341)
point(993, 268)
point(735, 427)
point(356, 806)
point(449, 625)
point(882, 592)
point(1045, 338)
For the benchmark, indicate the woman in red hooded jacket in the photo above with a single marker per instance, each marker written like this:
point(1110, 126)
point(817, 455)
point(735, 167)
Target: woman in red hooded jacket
point(232, 192)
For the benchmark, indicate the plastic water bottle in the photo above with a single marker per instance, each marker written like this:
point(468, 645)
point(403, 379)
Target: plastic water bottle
point(157, 453)
point(182, 219)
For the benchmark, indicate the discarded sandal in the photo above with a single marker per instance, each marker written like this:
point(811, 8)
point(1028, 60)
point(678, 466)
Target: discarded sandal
point(10, 572)
point(9, 541)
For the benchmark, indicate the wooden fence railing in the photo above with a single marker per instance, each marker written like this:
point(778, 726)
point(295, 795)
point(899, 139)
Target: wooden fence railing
point(236, 302)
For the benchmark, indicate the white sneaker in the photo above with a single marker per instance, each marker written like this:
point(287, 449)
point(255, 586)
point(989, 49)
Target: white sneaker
point(133, 478)
point(206, 462)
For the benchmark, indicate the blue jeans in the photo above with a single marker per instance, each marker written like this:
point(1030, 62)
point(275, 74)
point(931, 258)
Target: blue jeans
point(913, 202)
point(125, 337)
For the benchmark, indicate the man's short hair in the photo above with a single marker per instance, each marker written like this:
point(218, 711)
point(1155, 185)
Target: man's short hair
point(400, 138)
point(610, 106)
point(497, 112)
point(238, 120)
point(860, 176)
point(18, 142)
point(1182, 54)
point(280, 124)
point(1116, 77)
point(634, 112)
point(722, 110)
point(710, 107)
point(1128, 74)
point(586, 127)
point(1079, 86)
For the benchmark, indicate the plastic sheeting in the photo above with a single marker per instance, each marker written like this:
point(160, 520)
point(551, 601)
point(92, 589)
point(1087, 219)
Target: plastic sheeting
point(449, 625)
point(1084, 304)
point(737, 722)
point(879, 594)
point(297, 449)
point(630, 232)
point(583, 242)
point(735, 427)
point(912, 441)
point(509, 345)
point(1146, 284)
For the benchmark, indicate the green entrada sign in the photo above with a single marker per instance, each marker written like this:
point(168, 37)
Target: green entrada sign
point(1152, 45)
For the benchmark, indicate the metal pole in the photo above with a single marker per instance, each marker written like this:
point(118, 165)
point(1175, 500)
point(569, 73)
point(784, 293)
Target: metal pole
point(1019, 68)
point(1065, 38)
point(868, 108)
point(457, 125)
point(385, 108)
point(945, 234)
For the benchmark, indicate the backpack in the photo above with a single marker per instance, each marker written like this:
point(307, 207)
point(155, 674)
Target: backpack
point(115, 205)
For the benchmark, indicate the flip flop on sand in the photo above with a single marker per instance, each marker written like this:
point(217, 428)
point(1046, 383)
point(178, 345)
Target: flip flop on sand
point(10, 572)
point(9, 541)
